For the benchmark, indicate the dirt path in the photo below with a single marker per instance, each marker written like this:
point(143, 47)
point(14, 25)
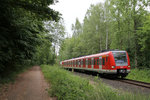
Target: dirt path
point(29, 85)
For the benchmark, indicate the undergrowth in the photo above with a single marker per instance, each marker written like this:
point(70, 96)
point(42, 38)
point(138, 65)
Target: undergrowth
point(66, 86)
point(11, 75)
point(140, 75)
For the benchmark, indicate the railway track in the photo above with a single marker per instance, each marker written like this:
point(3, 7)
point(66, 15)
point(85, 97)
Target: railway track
point(127, 81)
point(137, 83)
point(120, 84)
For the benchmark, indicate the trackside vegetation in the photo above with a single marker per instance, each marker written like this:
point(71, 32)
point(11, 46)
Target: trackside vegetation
point(140, 75)
point(66, 86)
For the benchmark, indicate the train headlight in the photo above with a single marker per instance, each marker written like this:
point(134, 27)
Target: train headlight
point(112, 66)
point(129, 66)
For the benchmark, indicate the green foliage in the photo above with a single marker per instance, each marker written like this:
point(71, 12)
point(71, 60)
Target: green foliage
point(144, 41)
point(23, 32)
point(12, 74)
point(66, 86)
point(140, 75)
point(46, 52)
point(116, 24)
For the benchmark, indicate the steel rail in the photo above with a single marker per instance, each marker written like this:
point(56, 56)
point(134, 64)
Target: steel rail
point(137, 83)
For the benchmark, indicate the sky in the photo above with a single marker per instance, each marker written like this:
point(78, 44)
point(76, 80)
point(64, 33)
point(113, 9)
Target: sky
point(72, 9)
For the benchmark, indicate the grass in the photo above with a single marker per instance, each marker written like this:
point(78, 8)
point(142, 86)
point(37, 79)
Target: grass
point(66, 86)
point(140, 75)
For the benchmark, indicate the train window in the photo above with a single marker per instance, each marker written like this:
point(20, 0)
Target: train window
point(89, 62)
point(103, 61)
point(100, 61)
point(81, 62)
point(97, 62)
point(86, 62)
point(92, 61)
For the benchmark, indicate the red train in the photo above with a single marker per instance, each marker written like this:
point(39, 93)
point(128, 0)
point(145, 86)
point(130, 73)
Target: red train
point(110, 62)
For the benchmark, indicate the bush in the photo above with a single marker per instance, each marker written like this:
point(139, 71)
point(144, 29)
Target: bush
point(140, 75)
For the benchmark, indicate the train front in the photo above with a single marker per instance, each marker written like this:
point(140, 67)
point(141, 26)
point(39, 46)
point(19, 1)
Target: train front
point(121, 63)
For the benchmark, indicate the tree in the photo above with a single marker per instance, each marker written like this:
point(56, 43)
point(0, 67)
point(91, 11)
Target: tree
point(116, 24)
point(144, 41)
point(22, 29)
point(77, 28)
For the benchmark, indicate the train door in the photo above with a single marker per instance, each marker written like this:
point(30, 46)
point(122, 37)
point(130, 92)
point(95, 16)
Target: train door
point(73, 63)
point(92, 63)
point(96, 63)
point(76, 63)
point(103, 62)
point(100, 63)
point(81, 63)
point(89, 63)
point(86, 62)
point(107, 62)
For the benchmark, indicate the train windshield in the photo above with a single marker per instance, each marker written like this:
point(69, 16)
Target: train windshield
point(120, 58)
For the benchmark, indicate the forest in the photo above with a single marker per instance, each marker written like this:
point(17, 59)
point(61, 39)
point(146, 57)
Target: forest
point(29, 31)
point(116, 24)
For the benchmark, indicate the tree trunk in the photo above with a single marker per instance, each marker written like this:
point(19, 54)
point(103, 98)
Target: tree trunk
point(134, 31)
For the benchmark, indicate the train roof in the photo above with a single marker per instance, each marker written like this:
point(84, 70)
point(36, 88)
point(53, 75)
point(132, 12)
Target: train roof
point(94, 55)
